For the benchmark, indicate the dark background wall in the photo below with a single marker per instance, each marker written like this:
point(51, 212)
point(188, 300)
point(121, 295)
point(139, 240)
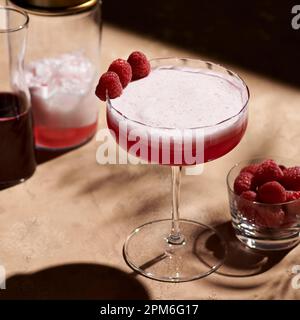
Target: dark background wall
point(255, 34)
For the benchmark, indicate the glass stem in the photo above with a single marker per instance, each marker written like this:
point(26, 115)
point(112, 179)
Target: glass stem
point(175, 236)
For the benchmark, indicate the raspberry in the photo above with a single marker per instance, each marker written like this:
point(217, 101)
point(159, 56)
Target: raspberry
point(249, 195)
point(292, 195)
point(123, 69)
point(271, 192)
point(252, 168)
point(266, 172)
point(269, 217)
point(243, 182)
point(109, 82)
point(139, 64)
point(291, 179)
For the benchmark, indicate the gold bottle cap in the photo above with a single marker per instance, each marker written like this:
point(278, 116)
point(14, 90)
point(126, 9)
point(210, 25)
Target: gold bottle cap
point(55, 7)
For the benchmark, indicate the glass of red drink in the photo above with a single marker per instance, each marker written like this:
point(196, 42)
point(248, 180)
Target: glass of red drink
point(17, 159)
point(175, 249)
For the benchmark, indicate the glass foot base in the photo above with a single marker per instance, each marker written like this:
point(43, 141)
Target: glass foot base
point(148, 251)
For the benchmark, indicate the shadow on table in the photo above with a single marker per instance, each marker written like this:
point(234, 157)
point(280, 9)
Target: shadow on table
point(242, 261)
point(41, 156)
point(75, 281)
point(44, 155)
point(47, 155)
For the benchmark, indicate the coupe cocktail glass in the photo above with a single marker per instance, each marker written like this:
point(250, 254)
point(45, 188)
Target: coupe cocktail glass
point(176, 249)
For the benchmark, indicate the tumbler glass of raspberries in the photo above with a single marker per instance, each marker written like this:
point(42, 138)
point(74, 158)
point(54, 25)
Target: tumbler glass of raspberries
point(264, 197)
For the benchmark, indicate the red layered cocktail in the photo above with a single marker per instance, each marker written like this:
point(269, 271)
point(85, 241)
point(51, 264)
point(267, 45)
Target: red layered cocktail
point(180, 115)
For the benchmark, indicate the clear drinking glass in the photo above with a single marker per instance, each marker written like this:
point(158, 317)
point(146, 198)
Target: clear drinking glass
point(62, 65)
point(17, 158)
point(175, 249)
point(263, 226)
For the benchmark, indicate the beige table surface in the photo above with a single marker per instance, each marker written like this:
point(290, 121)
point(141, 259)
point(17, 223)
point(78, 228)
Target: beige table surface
point(62, 232)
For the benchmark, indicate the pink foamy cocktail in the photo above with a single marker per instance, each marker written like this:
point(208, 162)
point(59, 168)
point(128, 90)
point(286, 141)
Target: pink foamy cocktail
point(172, 106)
point(185, 112)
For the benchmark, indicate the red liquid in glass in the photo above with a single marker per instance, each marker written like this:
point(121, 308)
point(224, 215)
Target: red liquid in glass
point(17, 158)
point(60, 138)
point(215, 145)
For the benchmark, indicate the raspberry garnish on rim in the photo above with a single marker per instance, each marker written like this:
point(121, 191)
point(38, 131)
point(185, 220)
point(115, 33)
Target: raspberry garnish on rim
point(109, 83)
point(120, 73)
point(139, 64)
point(123, 69)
